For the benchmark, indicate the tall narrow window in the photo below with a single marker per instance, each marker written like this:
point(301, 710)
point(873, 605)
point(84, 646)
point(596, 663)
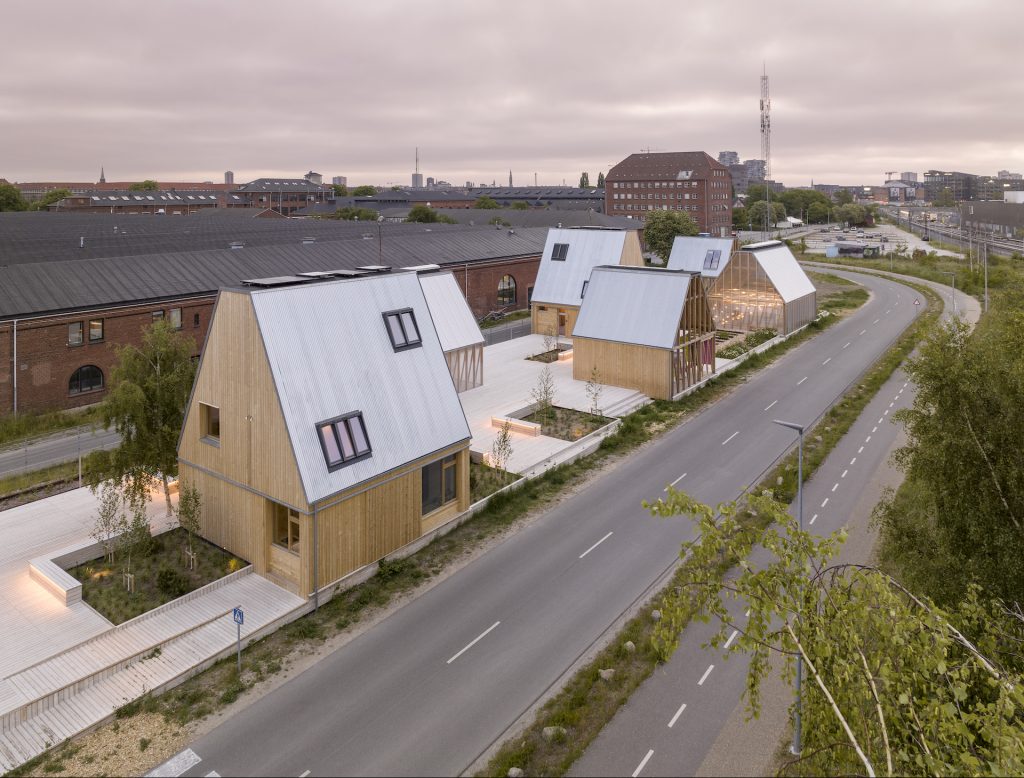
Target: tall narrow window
point(75, 333)
point(209, 422)
point(402, 329)
point(507, 290)
point(95, 330)
point(175, 317)
point(343, 440)
point(559, 252)
point(286, 528)
point(439, 483)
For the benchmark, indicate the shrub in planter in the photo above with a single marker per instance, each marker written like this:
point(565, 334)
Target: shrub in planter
point(171, 582)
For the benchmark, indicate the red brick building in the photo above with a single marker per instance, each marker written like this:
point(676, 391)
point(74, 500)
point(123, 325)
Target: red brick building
point(60, 322)
point(688, 181)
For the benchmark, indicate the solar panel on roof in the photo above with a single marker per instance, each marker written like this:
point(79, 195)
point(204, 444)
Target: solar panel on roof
point(275, 281)
point(374, 268)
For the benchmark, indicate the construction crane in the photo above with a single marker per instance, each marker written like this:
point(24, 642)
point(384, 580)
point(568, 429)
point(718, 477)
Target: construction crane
point(889, 174)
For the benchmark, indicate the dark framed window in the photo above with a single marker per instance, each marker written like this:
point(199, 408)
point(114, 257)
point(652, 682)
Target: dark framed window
point(87, 378)
point(529, 295)
point(439, 483)
point(507, 290)
point(344, 440)
point(195, 319)
point(209, 422)
point(583, 291)
point(95, 330)
point(559, 252)
point(75, 333)
point(712, 259)
point(157, 315)
point(402, 329)
point(175, 317)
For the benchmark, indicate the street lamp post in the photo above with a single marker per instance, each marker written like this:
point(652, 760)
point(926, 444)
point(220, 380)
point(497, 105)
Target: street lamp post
point(799, 428)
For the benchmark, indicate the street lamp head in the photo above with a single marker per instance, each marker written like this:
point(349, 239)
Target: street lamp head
point(791, 425)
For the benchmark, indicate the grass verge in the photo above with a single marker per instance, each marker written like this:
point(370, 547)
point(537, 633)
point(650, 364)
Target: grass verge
point(26, 426)
point(514, 316)
point(588, 701)
point(220, 685)
point(55, 474)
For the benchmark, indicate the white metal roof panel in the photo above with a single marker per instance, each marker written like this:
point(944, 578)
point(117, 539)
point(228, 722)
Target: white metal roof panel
point(561, 282)
point(456, 327)
point(688, 254)
point(330, 354)
point(782, 269)
point(635, 305)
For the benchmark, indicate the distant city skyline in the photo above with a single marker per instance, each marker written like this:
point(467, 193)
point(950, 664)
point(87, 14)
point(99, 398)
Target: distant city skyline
point(551, 90)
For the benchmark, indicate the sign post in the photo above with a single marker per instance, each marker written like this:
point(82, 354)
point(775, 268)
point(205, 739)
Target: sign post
point(239, 616)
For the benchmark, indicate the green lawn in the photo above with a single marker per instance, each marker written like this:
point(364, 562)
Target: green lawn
point(160, 577)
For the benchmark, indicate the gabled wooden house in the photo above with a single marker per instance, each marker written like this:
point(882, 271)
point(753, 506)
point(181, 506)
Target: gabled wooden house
point(569, 256)
point(647, 329)
point(324, 430)
point(460, 336)
point(758, 286)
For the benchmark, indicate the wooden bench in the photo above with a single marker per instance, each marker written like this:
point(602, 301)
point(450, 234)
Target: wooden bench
point(565, 356)
point(528, 428)
point(57, 581)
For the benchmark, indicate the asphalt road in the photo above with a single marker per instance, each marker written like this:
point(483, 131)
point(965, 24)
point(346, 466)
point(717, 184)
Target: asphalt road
point(672, 721)
point(54, 449)
point(435, 684)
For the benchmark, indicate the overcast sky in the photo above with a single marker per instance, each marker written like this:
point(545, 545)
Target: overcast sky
point(185, 90)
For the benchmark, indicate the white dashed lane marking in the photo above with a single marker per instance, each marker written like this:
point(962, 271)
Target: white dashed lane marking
point(643, 763)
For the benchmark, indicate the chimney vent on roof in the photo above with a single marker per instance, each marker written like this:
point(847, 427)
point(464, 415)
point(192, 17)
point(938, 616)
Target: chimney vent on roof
point(81, 243)
point(308, 239)
point(236, 244)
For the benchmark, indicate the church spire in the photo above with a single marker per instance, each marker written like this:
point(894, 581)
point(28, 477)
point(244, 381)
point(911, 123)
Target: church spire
point(103, 178)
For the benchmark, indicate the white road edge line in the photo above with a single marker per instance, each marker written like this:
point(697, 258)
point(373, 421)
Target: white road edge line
point(598, 543)
point(770, 406)
point(475, 640)
point(732, 637)
point(643, 763)
point(680, 478)
point(737, 432)
point(704, 677)
point(815, 516)
point(176, 765)
point(801, 380)
point(678, 714)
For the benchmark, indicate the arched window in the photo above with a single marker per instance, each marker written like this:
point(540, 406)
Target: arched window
point(86, 379)
point(507, 291)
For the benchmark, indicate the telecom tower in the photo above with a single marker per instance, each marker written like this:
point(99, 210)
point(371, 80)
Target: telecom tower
point(766, 149)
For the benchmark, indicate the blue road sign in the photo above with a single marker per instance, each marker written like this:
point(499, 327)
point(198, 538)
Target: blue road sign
point(238, 616)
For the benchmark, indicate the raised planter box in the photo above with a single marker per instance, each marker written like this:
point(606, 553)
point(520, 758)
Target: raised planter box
point(565, 356)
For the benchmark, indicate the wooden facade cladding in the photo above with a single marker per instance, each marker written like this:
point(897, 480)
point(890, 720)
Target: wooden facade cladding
point(643, 368)
point(466, 366)
point(632, 253)
point(546, 317)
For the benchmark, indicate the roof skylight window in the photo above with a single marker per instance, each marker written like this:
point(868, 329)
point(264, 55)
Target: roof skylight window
point(402, 329)
point(712, 259)
point(344, 440)
point(559, 252)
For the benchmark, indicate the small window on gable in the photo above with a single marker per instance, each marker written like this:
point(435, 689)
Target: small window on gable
point(343, 440)
point(209, 423)
point(402, 329)
point(583, 291)
point(559, 252)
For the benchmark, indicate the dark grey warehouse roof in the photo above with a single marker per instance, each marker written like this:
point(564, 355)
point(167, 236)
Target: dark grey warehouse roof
point(49, 237)
point(53, 287)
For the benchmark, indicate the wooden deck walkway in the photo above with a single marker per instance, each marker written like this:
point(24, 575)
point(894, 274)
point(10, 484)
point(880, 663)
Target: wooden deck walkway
point(509, 378)
point(63, 695)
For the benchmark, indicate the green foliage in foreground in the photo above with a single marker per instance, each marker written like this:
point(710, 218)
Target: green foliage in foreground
point(894, 684)
point(960, 518)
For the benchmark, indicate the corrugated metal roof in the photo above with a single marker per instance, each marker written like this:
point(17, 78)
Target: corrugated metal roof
point(561, 282)
point(330, 354)
point(689, 253)
point(637, 305)
point(47, 287)
point(456, 327)
point(785, 273)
